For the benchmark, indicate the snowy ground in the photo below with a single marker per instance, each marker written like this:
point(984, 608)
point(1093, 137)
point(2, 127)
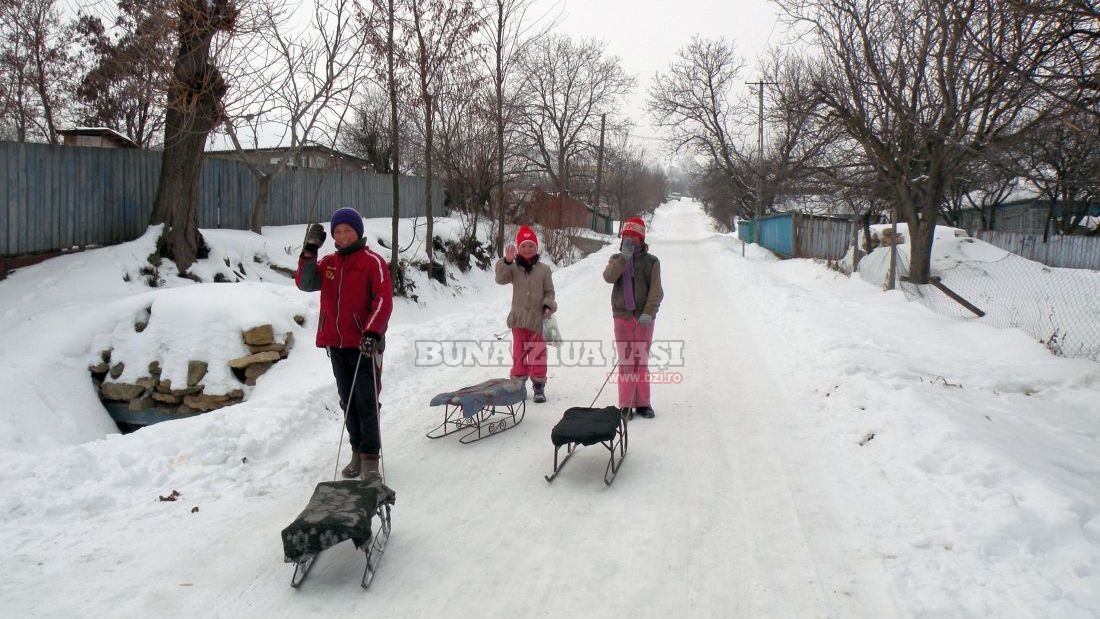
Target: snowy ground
point(832, 451)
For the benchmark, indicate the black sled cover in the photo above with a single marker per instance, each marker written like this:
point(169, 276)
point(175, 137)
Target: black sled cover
point(586, 426)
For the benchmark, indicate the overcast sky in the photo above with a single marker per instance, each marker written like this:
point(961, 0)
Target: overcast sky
point(645, 34)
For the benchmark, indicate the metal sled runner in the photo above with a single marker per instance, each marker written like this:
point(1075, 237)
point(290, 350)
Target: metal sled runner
point(338, 511)
point(481, 410)
point(588, 426)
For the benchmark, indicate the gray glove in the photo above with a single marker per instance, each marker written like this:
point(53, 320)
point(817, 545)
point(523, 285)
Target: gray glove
point(645, 319)
point(629, 246)
point(315, 238)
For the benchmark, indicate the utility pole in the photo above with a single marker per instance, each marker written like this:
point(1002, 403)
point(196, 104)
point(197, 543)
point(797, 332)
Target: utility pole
point(759, 160)
point(599, 171)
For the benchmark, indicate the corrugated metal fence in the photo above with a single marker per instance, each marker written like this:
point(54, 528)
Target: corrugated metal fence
point(798, 235)
point(1074, 252)
point(59, 197)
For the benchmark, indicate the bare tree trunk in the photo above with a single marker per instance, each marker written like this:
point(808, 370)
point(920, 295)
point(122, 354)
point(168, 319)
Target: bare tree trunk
point(263, 190)
point(194, 97)
point(921, 235)
point(429, 242)
point(395, 173)
point(176, 202)
point(499, 83)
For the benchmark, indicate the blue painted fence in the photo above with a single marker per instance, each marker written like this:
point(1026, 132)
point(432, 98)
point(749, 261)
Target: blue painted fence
point(61, 197)
point(799, 235)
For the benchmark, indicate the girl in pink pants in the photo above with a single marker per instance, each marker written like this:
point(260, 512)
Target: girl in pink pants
point(532, 302)
point(635, 298)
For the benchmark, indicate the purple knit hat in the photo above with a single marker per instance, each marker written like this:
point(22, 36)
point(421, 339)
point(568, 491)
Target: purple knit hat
point(349, 216)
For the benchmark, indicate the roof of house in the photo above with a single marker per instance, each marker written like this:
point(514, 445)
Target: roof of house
point(102, 132)
point(316, 148)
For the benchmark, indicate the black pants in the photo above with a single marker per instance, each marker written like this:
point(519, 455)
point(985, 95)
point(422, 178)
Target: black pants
point(362, 414)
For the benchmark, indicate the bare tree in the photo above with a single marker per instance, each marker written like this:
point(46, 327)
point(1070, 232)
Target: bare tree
point(303, 88)
point(1065, 49)
point(130, 62)
point(194, 109)
point(36, 68)
point(442, 34)
point(1063, 163)
point(631, 186)
point(566, 86)
point(907, 83)
point(387, 35)
point(368, 135)
point(513, 27)
point(466, 148)
point(692, 102)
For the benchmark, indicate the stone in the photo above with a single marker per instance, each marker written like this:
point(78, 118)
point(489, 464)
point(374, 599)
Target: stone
point(288, 341)
point(260, 336)
point(279, 348)
point(140, 325)
point(105, 355)
point(196, 370)
point(205, 402)
point(99, 368)
point(141, 404)
point(147, 381)
point(116, 369)
point(166, 398)
point(154, 368)
point(254, 371)
point(120, 392)
point(300, 320)
point(263, 357)
point(236, 394)
point(165, 386)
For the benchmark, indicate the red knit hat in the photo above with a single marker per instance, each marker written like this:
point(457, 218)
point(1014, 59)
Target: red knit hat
point(634, 227)
point(525, 233)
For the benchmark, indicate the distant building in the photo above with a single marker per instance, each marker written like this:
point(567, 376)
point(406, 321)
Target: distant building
point(555, 210)
point(1024, 216)
point(313, 156)
point(96, 137)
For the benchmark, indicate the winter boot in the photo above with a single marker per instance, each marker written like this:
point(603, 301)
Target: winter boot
point(540, 395)
point(368, 464)
point(351, 471)
point(645, 411)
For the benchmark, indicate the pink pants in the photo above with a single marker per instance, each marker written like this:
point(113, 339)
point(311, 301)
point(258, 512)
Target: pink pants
point(528, 355)
point(632, 342)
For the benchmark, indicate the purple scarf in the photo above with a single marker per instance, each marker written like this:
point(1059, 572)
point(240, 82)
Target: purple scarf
point(628, 284)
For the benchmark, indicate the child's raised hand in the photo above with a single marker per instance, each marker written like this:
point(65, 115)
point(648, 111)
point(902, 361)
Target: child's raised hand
point(510, 253)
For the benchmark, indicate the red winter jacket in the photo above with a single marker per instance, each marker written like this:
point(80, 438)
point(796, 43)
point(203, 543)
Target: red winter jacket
point(356, 294)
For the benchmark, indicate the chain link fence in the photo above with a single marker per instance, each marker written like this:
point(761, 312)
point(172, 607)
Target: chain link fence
point(1059, 307)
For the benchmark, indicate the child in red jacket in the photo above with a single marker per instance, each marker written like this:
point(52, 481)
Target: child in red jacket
point(356, 301)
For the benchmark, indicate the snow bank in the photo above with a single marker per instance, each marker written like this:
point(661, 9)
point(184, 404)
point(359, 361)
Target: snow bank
point(59, 315)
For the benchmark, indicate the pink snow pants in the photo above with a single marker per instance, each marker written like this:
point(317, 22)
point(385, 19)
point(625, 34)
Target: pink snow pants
point(632, 342)
point(528, 355)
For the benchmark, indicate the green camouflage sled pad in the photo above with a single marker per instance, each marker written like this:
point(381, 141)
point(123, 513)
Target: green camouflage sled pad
point(337, 511)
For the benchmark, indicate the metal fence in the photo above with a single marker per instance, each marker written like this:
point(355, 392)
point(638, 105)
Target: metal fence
point(1075, 252)
point(1058, 307)
point(60, 197)
point(800, 235)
